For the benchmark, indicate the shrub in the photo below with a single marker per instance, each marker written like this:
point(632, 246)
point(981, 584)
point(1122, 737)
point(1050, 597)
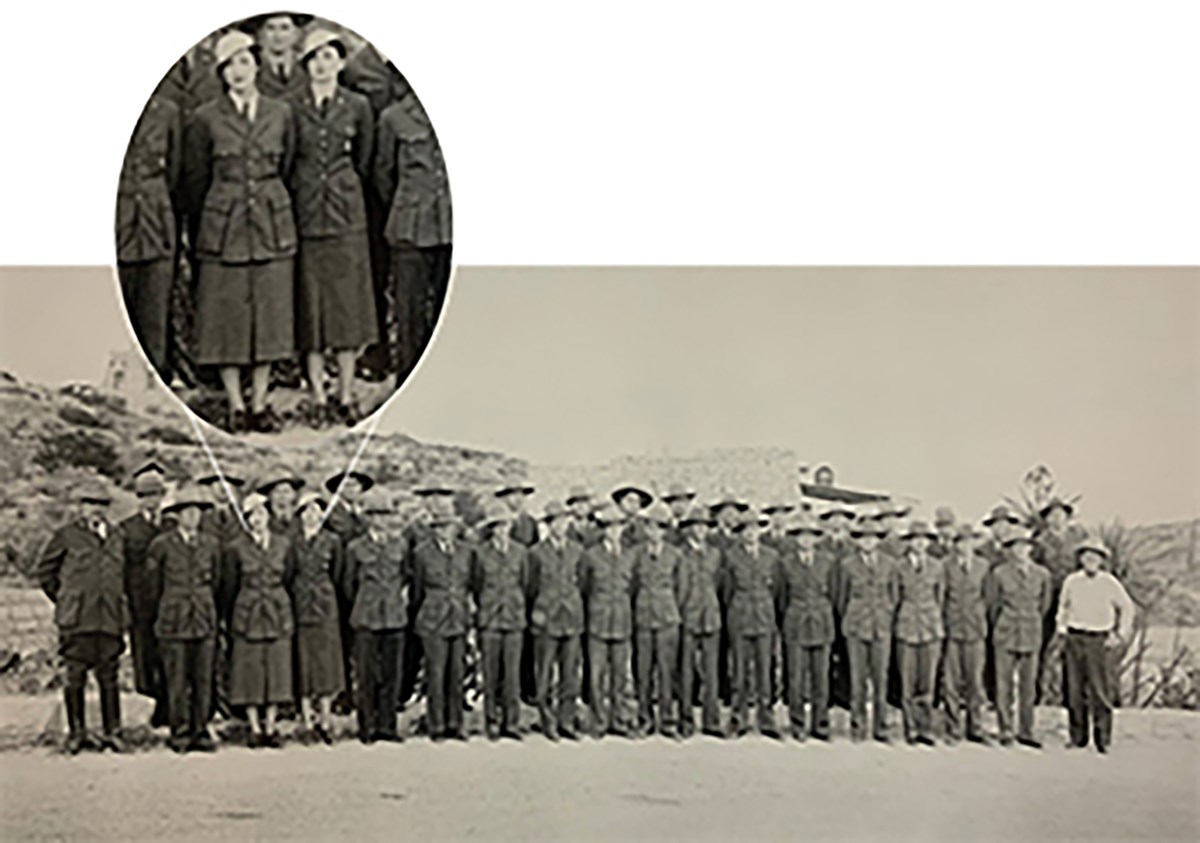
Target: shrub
point(168, 435)
point(78, 449)
point(80, 416)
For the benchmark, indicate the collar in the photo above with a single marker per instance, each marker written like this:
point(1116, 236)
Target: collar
point(188, 538)
point(250, 102)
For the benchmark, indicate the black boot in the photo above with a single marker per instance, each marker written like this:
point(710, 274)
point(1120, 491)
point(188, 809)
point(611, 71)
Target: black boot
point(76, 725)
point(110, 716)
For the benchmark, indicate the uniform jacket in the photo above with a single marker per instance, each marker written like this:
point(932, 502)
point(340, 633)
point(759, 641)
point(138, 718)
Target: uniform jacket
point(441, 588)
point(633, 534)
point(556, 605)
point(223, 525)
point(137, 532)
point(410, 177)
point(750, 586)
point(606, 580)
point(700, 573)
point(993, 552)
point(837, 548)
point(893, 546)
point(274, 84)
point(941, 548)
point(234, 170)
point(586, 535)
point(721, 540)
point(377, 579)
point(806, 594)
point(867, 596)
point(286, 528)
point(82, 574)
point(965, 606)
point(370, 74)
point(919, 614)
point(317, 563)
point(655, 587)
point(333, 156)
point(148, 189)
point(262, 606)
point(185, 575)
point(778, 542)
point(524, 530)
point(499, 581)
point(1017, 604)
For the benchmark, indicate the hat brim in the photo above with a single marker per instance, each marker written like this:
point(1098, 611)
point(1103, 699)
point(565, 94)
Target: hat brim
point(335, 482)
point(719, 505)
point(680, 496)
point(308, 54)
point(644, 497)
point(514, 490)
point(834, 513)
point(265, 488)
point(1014, 542)
point(574, 499)
point(99, 500)
point(212, 479)
point(691, 522)
point(1045, 511)
point(932, 536)
point(433, 492)
point(1091, 548)
point(992, 519)
point(149, 493)
point(182, 505)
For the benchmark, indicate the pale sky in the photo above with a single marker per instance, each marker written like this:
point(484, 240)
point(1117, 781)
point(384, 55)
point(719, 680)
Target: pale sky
point(942, 384)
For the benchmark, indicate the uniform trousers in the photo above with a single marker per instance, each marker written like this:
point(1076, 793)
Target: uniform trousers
point(419, 280)
point(378, 659)
point(1089, 688)
point(502, 677)
point(869, 661)
point(808, 686)
point(704, 648)
point(561, 652)
point(962, 684)
point(100, 653)
point(752, 678)
point(657, 650)
point(444, 676)
point(188, 665)
point(608, 667)
point(918, 671)
point(1026, 667)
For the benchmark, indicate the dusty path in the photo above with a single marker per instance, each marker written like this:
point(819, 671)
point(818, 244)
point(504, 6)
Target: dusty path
point(705, 789)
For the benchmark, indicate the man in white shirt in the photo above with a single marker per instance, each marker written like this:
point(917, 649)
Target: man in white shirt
point(1095, 613)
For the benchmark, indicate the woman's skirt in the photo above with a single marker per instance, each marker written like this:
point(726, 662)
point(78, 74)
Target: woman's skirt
point(319, 659)
point(261, 672)
point(244, 312)
point(335, 300)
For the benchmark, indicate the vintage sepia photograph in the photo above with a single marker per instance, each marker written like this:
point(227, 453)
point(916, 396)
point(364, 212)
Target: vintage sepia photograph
point(741, 554)
point(283, 226)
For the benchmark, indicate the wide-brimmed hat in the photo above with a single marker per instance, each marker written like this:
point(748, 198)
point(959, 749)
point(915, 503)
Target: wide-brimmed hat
point(696, 514)
point(279, 474)
point(804, 522)
point(442, 519)
point(943, 516)
point(839, 509)
point(867, 527)
point(148, 485)
point(93, 492)
point(1056, 503)
point(254, 501)
point(1000, 512)
point(659, 513)
point(919, 528)
point(187, 495)
point(254, 23)
point(514, 489)
point(726, 498)
point(1093, 545)
point(893, 509)
point(318, 38)
point(432, 487)
point(624, 489)
point(209, 479)
point(555, 510)
point(778, 507)
point(230, 44)
point(495, 513)
point(309, 498)
point(578, 493)
point(377, 502)
point(1016, 540)
point(678, 492)
point(750, 518)
point(366, 481)
point(148, 467)
point(608, 514)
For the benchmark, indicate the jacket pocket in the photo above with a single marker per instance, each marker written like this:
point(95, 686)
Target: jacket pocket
point(214, 224)
point(283, 222)
point(68, 610)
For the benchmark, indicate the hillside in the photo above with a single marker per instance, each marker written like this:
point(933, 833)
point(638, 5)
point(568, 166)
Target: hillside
point(52, 439)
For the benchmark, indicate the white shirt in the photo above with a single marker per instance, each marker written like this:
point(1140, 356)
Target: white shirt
point(1095, 603)
point(246, 105)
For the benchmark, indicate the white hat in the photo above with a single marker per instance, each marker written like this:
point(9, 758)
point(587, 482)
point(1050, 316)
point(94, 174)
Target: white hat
point(317, 39)
point(230, 44)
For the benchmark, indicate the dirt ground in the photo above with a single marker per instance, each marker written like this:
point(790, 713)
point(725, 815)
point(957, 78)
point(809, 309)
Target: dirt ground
point(1146, 788)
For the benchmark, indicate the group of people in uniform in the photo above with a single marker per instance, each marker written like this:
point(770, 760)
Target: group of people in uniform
point(652, 609)
point(302, 187)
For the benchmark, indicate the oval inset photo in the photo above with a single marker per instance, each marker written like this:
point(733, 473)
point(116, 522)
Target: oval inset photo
point(283, 226)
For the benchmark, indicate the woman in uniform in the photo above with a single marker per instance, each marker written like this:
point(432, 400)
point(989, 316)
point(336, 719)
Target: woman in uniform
point(316, 559)
point(335, 301)
point(262, 622)
point(238, 148)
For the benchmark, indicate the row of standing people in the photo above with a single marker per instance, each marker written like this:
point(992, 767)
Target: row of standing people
point(313, 209)
point(632, 584)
